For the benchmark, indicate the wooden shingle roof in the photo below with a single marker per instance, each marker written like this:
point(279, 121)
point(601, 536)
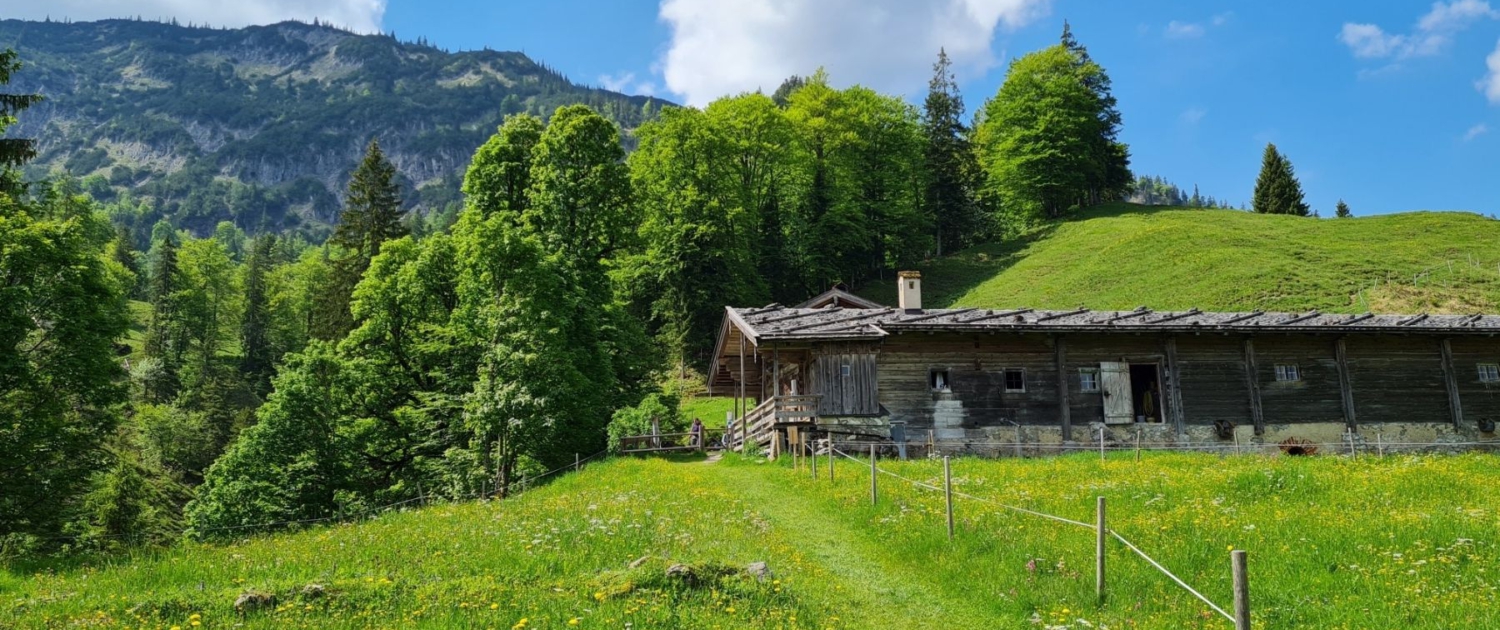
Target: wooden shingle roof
point(778, 323)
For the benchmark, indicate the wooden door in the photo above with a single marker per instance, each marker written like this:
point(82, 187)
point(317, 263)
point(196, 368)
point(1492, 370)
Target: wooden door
point(1119, 407)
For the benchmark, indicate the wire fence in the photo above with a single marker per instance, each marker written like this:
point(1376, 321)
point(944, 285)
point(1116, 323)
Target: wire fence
point(524, 484)
point(948, 491)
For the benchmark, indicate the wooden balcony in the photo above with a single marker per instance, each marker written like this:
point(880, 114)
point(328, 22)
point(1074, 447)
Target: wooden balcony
point(759, 426)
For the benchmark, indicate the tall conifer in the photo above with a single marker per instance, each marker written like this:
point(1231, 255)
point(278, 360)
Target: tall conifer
point(1277, 190)
point(948, 158)
point(371, 216)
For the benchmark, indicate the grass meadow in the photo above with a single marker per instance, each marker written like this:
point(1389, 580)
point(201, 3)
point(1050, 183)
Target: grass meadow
point(1121, 256)
point(1401, 541)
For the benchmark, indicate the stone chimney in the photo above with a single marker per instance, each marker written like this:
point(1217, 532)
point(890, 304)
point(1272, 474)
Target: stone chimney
point(909, 291)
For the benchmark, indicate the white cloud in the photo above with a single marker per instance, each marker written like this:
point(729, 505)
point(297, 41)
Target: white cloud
point(721, 47)
point(1193, 115)
point(1222, 18)
point(359, 15)
point(1432, 33)
point(626, 83)
point(1476, 131)
point(1490, 84)
point(1184, 30)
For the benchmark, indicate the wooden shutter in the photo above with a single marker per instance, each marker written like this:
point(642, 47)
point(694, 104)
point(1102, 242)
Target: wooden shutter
point(1119, 407)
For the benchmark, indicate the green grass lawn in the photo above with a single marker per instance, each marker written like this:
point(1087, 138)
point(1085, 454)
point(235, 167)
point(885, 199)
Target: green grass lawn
point(1122, 256)
point(710, 408)
point(1406, 541)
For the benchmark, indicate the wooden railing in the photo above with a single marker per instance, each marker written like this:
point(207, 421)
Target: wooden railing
point(758, 426)
point(713, 439)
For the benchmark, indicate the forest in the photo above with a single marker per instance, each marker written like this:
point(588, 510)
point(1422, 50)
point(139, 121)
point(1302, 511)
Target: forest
point(206, 387)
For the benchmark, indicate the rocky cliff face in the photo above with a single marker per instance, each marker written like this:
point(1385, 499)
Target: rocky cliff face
point(262, 125)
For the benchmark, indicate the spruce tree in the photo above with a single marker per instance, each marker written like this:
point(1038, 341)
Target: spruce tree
point(948, 159)
point(371, 216)
point(123, 252)
point(13, 151)
point(1277, 190)
point(1342, 210)
point(255, 337)
point(163, 341)
point(1109, 178)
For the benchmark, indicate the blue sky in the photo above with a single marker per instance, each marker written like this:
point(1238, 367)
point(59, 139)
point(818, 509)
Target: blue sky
point(1391, 106)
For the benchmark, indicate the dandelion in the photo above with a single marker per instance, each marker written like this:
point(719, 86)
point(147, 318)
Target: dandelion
point(494, 606)
point(574, 621)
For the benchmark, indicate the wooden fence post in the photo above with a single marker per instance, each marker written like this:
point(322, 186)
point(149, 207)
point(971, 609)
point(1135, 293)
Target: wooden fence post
point(813, 458)
point(1101, 444)
point(1241, 590)
point(874, 474)
point(577, 463)
point(830, 458)
point(948, 493)
point(1100, 537)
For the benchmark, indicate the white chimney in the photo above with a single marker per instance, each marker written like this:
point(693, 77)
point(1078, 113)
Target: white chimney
point(909, 290)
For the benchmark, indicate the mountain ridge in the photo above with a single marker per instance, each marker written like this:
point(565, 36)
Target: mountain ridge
point(261, 125)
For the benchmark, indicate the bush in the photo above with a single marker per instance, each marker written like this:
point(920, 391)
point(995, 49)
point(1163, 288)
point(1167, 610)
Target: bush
point(637, 420)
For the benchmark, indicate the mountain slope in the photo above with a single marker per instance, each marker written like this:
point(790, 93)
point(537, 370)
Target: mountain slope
point(262, 125)
point(1124, 256)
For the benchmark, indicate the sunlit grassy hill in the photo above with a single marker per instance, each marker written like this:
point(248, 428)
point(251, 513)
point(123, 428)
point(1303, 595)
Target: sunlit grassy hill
point(1123, 256)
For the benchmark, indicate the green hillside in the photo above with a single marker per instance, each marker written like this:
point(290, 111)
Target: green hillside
point(562, 556)
point(1124, 256)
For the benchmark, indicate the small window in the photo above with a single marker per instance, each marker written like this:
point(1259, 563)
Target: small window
point(1489, 373)
point(938, 379)
point(911, 284)
point(1015, 380)
point(1088, 379)
point(1288, 373)
point(846, 369)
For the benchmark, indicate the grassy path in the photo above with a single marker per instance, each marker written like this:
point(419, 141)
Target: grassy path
point(877, 587)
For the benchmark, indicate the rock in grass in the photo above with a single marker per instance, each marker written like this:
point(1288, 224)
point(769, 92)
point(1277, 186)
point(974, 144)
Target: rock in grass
point(760, 571)
point(682, 572)
point(636, 563)
point(249, 601)
point(313, 591)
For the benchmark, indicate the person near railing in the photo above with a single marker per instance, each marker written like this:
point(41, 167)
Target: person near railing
point(696, 434)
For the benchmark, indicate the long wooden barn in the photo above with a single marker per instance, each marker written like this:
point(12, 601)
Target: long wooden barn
point(984, 376)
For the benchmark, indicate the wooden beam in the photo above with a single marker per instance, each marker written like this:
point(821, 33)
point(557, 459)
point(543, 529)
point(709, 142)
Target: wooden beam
point(1252, 385)
point(1346, 386)
point(1174, 386)
point(1064, 404)
point(1450, 378)
point(744, 426)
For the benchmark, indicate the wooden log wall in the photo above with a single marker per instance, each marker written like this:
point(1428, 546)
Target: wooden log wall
point(1480, 400)
point(1217, 378)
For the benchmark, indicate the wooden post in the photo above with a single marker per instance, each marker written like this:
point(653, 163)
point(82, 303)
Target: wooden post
point(948, 494)
point(1101, 535)
point(1064, 406)
point(1241, 590)
point(1018, 441)
point(830, 458)
point(1252, 385)
point(577, 463)
point(1137, 445)
point(813, 457)
point(744, 426)
point(1101, 444)
point(1450, 379)
point(1346, 387)
point(931, 443)
point(1173, 405)
point(874, 475)
point(1379, 444)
